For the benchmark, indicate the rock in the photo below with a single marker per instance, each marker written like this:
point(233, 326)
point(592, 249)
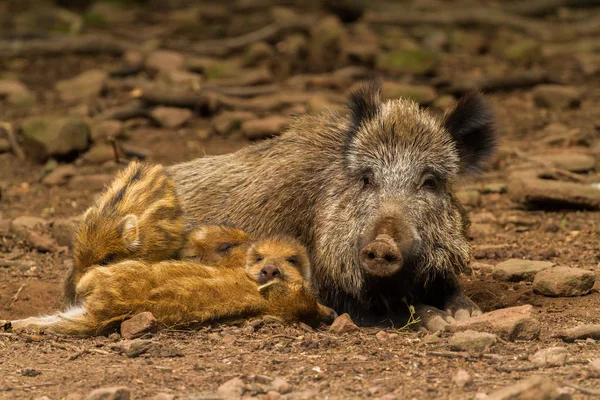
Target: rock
point(54, 136)
point(326, 35)
point(257, 54)
point(106, 129)
point(4, 145)
point(137, 347)
point(550, 357)
point(472, 341)
point(431, 339)
point(523, 52)
point(165, 60)
point(171, 117)
point(92, 183)
point(60, 175)
point(99, 154)
point(462, 378)
point(84, 86)
point(595, 367)
point(232, 389)
point(212, 68)
point(346, 10)
point(138, 325)
point(564, 282)
point(30, 372)
point(343, 324)
point(479, 230)
point(272, 395)
point(580, 332)
point(408, 61)
point(281, 386)
point(574, 162)
point(543, 193)
point(382, 336)
point(422, 94)
point(16, 93)
point(513, 323)
point(110, 393)
point(230, 121)
point(265, 127)
point(63, 230)
point(533, 388)
point(496, 187)
point(25, 223)
point(163, 396)
point(556, 96)
point(41, 242)
point(181, 79)
point(469, 197)
point(516, 270)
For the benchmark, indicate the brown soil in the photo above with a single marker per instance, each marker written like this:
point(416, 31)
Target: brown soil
point(317, 364)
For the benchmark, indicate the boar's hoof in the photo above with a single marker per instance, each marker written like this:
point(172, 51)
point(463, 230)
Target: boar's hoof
point(381, 257)
point(461, 307)
point(433, 319)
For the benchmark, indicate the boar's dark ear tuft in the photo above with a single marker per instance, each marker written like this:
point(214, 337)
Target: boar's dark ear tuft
point(471, 124)
point(364, 104)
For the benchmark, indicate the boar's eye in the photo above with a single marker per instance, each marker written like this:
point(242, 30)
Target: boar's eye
point(367, 178)
point(429, 182)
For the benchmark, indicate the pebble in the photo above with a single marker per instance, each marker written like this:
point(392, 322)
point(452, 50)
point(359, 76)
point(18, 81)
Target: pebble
point(265, 127)
point(513, 323)
point(272, 395)
point(564, 282)
point(48, 136)
point(106, 129)
point(171, 117)
point(258, 53)
point(139, 325)
point(550, 357)
point(30, 372)
point(281, 386)
point(86, 85)
point(63, 230)
point(535, 387)
point(60, 175)
point(164, 396)
point(580, 332)
point(517, 270)
point(16, 92)
point(93, 183)
point(382, 336)
point(165, 60)
point(99, 153)
point(343, 324)
point(25, 223)
point(594, 367)
point(556, 96)
point(4, 145)
point(232, 389)
point(431, 338)
point(137, 347)
point(110, 393)
point(462, 378)
point(42, 242)
point(472, 341)
point(230, 121)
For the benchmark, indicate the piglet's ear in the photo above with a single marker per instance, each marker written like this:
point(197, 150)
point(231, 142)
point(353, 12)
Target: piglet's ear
point(128, 228)
point(471, 124)
point(364, 104)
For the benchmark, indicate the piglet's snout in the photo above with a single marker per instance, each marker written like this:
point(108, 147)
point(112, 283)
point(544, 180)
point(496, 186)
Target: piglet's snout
point(381, 257)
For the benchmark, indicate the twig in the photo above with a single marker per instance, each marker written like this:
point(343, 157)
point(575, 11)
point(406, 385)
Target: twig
point(243, 91)
point(492, 84)
point(15, 263)
point(122, 113)
point(281, 335)
point(526, 368)
point(539, 8)
point(9, 388)
point(16, 296)
point(61, 45)
point(449, 354)
point(591, 392)
point(7, 127)
point(131, 151)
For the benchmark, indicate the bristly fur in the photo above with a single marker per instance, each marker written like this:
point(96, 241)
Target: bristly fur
point(137, 217)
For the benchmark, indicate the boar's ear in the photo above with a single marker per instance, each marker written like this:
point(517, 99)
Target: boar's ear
point(128, 229)
point(471, 124)
point(364, 104)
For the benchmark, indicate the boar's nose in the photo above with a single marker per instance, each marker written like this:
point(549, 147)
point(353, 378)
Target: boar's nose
point(268, 273)
point(381, 257)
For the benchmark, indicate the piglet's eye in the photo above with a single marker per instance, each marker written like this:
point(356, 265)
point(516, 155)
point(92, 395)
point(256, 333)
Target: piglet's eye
point(259, 258)
point(293, 261)
point(109, 258)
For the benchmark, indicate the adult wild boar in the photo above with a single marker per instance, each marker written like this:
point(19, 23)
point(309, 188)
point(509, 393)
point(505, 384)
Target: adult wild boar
point(371, 195)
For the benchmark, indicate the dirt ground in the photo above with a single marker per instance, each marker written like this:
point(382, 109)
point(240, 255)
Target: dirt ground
point(559, 44)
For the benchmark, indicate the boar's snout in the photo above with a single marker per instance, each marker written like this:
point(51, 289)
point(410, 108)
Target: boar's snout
point(381, 257)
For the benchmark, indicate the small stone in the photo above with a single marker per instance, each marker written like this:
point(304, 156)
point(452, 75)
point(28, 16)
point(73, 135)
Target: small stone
point(536, 387)
point(480, 230)
point(16, 92)
point(181, 79)
point(54, 136)
point(231, 121)
point(99, 154)
point(164, 396)
point(343, 324)
point(595, 367)
point(138, 325)
point(513, 323)
point(84, 86)
point(580, 332)
point(92, 183)
point(60, 175)
point(165, 60)
point(25, 223)
point(421, 94)
point(556, 96)
point(462, 378)
point(110, 393)
point(4, 145)
point(382, 336)
point(232, 389)
point(550, 357)
point(272, 395)
point(516, 270)
point(281, 386)
point(258, 53)
point(574, 162)
point(469, 197)
point(408, 61)
point(137, 347)
point(431, 339)
point(42, 242)
point(472, 341)
point(106, 129)
point(171, 117)
point(564, 282)
point(265, 127)
point(30, 372)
